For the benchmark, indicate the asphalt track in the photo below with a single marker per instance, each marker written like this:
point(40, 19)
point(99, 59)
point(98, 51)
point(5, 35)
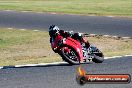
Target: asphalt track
point(63, 76)
point(91, 24)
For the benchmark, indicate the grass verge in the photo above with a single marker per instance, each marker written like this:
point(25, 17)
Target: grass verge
point(30, 47)
point(96, 7)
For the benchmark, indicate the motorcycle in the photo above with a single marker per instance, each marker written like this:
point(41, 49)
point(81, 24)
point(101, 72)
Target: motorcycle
point(73, 52)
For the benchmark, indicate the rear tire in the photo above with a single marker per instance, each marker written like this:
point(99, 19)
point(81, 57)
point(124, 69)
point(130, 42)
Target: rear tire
point(98, 58)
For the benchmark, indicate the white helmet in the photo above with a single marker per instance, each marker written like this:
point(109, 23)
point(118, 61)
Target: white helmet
point(53, 30)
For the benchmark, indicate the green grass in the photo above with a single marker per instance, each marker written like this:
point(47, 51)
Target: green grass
point(25, 47)
point(112, 47)
point(87, 7)
point(29, 47)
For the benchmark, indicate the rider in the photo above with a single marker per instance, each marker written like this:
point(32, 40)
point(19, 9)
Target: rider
point(54, 30)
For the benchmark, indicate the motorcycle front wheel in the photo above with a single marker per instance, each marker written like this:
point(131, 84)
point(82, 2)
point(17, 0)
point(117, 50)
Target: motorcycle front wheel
point(70, 55)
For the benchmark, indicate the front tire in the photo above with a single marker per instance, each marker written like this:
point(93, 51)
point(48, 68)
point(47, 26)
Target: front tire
point(72, 57)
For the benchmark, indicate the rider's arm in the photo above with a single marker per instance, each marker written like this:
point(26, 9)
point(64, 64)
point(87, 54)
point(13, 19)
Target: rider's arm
point(65, 33)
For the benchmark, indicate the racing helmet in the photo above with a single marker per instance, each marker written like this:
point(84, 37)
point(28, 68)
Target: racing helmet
point(53, 29)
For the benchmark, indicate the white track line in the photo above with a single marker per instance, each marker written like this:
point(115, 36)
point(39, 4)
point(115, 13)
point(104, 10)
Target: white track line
point(126, 37)
point(93, 34)
point(106, 35)
point(8, 10)
point(59, 63)
point(114, 36)
point(9, 28)
point(117, 56)
point(24, 11)
point(113, 57)
point(110, 16)
point(35, 30)
point(41, 64)
point(22, 29)
point(128, 55)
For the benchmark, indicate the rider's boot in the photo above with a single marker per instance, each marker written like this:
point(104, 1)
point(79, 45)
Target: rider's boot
point(87, 44)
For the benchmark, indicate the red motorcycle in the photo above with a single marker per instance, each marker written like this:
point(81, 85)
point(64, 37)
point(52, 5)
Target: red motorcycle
point(73, 52)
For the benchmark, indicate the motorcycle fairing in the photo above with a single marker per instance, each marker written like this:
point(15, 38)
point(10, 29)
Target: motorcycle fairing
point(76, 45)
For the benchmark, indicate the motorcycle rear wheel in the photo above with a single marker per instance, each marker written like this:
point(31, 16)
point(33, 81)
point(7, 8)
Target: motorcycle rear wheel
point(98, 57)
